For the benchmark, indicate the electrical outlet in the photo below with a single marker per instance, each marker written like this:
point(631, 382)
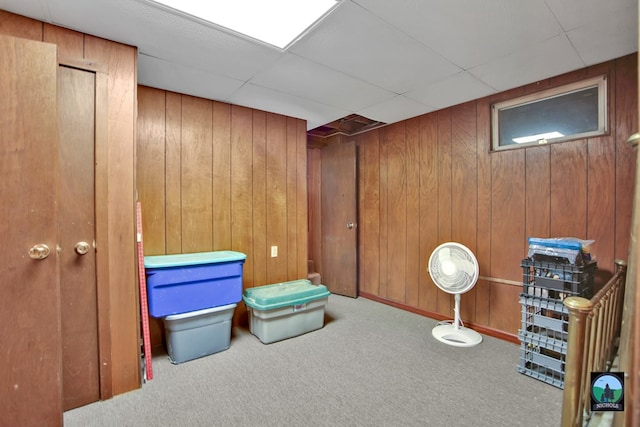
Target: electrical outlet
point(274, 251)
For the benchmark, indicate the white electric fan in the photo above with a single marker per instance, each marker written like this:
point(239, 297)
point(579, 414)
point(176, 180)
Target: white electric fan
point(454, 269)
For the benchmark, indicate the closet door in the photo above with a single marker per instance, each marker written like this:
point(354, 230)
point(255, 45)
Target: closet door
point(30, 328)
point(77, 226)
point(339, 219)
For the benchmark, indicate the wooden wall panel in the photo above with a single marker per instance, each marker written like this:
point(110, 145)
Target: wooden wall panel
point(626, 123)
point(173, 172)
point(221, 174)
point(394, 139)
point(490, 201)
point(568, 189)
point(242, 187)
point(538, 191)
point(464, 176)
point(414, 262)
point(483, 244)
point(508, 211)
point(20, 26)
point(445, 188)
point(601, 201)
point(601, 185)
point(196, 176)
point(506, 312)
point(259, 197)
point(314, 180)
point(383, 217)
point(150, 148)
point(464, 196)
point(291, 190)
point(70, 43)
point(369, 212)
point(302, 198)
point(276, 196)
point(428, 194)
point(508, 237)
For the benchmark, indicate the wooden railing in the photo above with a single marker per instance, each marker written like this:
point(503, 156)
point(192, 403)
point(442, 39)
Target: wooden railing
point(594, 328)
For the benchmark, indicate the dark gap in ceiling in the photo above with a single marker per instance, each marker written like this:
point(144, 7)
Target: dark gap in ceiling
point(348, 125)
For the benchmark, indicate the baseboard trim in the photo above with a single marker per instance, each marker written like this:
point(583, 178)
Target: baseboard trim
point(437, 316)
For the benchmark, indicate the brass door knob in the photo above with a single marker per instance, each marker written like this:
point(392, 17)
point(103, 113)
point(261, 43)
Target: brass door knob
point(39, 251)
point(82, 248)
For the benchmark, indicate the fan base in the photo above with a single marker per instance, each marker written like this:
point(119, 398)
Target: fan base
point(459, 337)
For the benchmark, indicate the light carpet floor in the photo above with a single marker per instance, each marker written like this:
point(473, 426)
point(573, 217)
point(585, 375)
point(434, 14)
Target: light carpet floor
point(370, 365)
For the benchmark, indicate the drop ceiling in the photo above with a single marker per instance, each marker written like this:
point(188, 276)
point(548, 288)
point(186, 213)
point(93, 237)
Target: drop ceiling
point(378, 60)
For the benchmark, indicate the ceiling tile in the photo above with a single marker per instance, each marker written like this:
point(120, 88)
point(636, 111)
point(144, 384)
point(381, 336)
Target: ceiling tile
point(575, 13)
point(262, 98)
point(536, 62)
point(158, 73)
point(357, 43)
point(395, 109)
point(473, 32)
point(608, 38)
point(451, 91)
point(306, 79)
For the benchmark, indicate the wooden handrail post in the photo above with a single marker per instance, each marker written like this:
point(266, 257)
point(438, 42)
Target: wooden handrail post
point(579, 308)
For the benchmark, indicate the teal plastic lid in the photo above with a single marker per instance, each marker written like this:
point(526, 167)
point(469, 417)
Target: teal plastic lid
point(278, 295)
point(196, 258)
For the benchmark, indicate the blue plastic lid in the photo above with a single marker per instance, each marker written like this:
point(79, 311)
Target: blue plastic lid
point(196, 258)
point(278, 295)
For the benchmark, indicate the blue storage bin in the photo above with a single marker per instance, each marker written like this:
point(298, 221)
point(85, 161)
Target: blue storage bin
point(188, 282)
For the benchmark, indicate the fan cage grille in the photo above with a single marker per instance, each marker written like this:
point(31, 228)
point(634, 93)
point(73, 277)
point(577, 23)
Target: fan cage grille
point(460, 280)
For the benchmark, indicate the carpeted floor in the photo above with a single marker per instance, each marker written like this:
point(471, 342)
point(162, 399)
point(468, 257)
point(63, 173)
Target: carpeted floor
point(370, 365)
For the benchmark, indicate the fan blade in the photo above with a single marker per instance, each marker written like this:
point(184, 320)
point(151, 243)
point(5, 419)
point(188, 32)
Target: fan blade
point(448, 266)
point(467, 266)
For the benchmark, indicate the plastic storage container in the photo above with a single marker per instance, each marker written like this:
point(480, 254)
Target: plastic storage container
point(543, 337)
point(543, 364)
point(545, 319)
point(189, 282)
point(544, 316)
point(284, 310)
point(557, 280)
point(198, 333)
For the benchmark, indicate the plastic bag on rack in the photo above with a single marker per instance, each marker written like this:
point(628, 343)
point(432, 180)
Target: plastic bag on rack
point(559, 249)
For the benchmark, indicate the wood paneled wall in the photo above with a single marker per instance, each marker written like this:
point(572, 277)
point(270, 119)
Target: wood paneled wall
point(213, 176)
point(432, 178)
point(119, 63)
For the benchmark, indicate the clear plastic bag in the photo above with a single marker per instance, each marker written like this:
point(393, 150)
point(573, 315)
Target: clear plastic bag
point(560, 249)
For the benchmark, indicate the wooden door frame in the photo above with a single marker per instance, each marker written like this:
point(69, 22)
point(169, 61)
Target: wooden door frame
point(102, 218)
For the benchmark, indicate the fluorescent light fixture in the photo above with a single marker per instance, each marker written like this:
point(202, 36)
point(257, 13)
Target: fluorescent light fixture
point(538, 137)
point(276, 22)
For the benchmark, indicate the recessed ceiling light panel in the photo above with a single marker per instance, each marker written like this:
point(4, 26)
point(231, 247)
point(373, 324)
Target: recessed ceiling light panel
point(276, 22)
